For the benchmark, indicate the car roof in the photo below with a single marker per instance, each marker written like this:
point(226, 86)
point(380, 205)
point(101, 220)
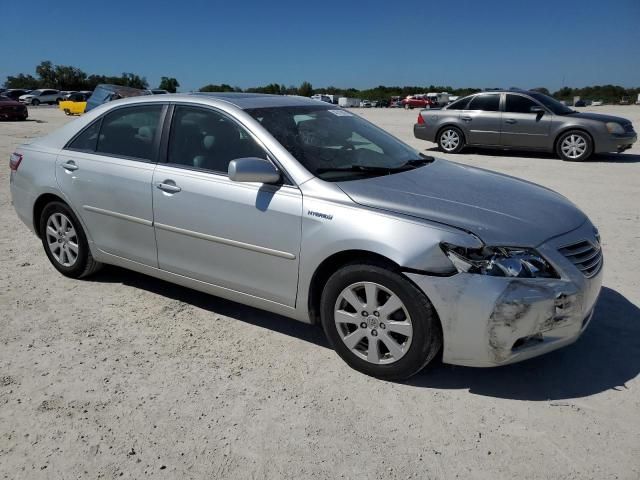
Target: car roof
point(257, 100)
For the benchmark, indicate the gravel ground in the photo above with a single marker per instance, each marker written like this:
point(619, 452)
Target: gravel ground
point(127, 376)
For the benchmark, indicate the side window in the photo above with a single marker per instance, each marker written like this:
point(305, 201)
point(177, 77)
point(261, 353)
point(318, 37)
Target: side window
point(130, 131)
point(519, 104)
point(205, 139)
point(459, 104)
point(87, 140)
point(486, 102)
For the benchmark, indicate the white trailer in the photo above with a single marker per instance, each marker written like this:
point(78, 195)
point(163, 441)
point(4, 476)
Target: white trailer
point(346, 102)
point(440, 99)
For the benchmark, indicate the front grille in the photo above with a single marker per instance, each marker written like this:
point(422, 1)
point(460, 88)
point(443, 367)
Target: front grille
point(585, 256)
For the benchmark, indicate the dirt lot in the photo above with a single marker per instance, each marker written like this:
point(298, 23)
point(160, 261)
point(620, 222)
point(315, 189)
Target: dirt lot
point(127, 376)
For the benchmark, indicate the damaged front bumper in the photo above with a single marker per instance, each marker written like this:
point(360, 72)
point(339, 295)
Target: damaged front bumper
point(489, 321)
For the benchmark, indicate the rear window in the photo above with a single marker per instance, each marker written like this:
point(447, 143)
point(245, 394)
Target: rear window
point(459, 104)
point(130, 132)
point(487, 103)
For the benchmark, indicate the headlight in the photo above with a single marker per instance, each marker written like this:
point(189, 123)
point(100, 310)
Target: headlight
point(614, 127)
point(499, 261)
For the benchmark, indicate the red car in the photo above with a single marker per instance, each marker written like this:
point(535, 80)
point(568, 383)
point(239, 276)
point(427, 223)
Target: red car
point(12, 110)
point(417, 101)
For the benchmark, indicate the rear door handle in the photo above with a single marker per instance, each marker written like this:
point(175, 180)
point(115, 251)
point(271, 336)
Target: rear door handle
point(510, 120)
point(466, 119)
point(70, 165)
point(168, 187)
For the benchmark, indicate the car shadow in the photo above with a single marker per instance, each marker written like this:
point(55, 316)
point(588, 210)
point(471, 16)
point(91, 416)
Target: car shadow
point(490, 152)
point(211, 303)
point(607, 356)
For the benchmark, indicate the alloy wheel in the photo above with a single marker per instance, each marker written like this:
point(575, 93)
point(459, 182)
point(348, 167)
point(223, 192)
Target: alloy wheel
point(62, 239)
point(450, 139)
point(573, 146)
point(373, 323)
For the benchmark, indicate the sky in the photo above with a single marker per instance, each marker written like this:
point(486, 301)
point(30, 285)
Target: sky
point(463, 43)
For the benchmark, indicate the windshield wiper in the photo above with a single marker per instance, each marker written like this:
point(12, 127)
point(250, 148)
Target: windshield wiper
point(376, 169)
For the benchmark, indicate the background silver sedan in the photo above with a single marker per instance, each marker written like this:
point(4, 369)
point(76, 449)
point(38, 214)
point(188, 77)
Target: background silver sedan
point(304, 209)
point(523, 120)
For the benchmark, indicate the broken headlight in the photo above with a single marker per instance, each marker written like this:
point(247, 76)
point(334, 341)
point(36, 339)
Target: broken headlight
point(499, 261)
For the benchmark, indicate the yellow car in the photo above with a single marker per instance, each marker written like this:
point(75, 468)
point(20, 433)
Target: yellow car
point(74, 104)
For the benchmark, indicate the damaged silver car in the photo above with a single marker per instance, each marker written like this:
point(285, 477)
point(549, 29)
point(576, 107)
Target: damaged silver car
point(307, 210)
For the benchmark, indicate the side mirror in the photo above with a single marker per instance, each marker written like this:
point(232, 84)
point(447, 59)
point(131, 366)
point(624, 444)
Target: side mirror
point(537, 110)
point(253, 169)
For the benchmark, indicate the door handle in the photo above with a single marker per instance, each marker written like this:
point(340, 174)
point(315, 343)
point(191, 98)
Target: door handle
point(466, 119)
point(168, 187)
point(510, 121)
point(70, 165)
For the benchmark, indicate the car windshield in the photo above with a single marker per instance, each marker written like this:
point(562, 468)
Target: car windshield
point(337, 145)
point(552, 104)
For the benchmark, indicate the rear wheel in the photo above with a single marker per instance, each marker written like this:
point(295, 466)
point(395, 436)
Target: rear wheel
point(450, 140)
point(65, 243)
point(379, 322)
point(574, 146)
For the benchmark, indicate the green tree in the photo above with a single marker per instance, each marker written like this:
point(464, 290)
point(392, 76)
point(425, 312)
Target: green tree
point(21, 81)
point(46, 74)
point(305, 89)
point(169, 84)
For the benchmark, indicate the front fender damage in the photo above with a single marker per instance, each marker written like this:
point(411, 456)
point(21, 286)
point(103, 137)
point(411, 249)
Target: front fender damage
point(528, 309)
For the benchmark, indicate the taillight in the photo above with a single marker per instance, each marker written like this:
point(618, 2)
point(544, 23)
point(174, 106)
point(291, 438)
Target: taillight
point(14, 161)
point(420, 120)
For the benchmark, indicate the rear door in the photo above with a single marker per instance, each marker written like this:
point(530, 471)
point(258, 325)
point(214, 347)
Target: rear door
point(106, 172)
point(481, 120)
point(521, 127)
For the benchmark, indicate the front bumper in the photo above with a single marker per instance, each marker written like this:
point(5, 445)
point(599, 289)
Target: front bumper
point(490, 321)
point(615, 143)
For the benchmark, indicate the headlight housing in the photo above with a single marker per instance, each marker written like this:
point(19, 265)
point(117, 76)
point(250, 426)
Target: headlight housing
point(615, 128)
point(499, 261)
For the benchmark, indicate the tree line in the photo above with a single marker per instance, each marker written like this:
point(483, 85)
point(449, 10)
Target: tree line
point(66, 77)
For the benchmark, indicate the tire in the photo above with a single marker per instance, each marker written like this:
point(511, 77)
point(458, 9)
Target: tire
point(574, 146)
point(58, 100)
point(400, 351)
point(35, 102)
point(61, 231)
point(450, 140)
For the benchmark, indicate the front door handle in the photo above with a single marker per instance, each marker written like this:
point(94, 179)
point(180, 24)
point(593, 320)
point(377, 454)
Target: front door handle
point(510, 121)
point(70, 165)
point(168, 187)
point(466, 119)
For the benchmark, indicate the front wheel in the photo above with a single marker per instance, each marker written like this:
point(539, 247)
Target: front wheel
point(35, 102)
point(574, 146)
point(65, 243)
point(379, 322)
point(450, 140)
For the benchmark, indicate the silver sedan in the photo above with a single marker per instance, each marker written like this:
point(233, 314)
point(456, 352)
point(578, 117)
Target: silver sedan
point(304, 209)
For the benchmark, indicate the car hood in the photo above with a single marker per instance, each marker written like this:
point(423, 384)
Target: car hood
point(501, 210)
point(10, 103)
point(599, 117)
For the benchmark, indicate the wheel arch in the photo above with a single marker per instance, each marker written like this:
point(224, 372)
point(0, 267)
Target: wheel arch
point(451, 124)
point(334, 262)
point(578, 128)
